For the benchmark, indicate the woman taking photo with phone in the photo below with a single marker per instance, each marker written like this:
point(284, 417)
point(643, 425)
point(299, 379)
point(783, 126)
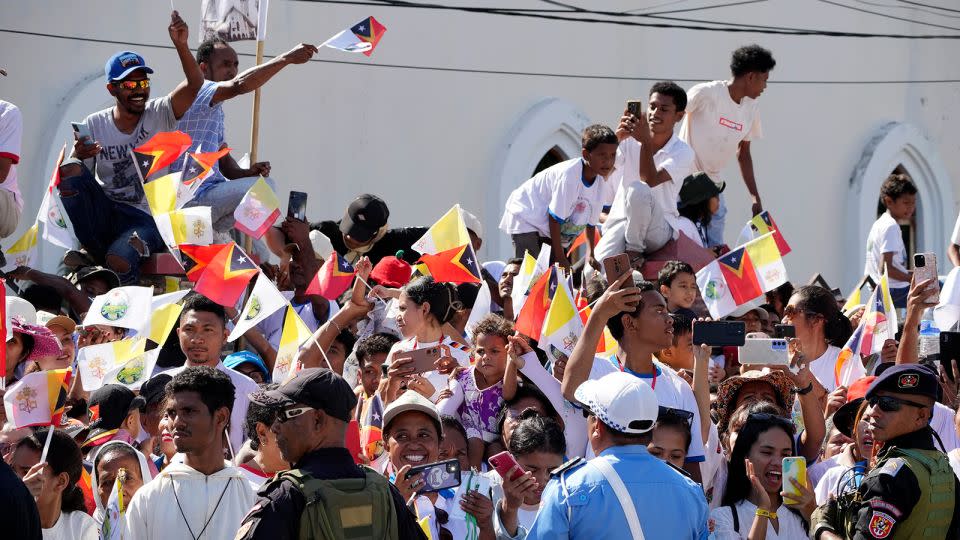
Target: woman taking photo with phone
point(538, 446)
point(425, 306)
point(821, 331)
point(753, 506)
point(412, 431)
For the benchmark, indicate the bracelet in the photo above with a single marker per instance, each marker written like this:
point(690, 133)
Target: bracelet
point(766, 513)
point(340, 328)
point(803, 391)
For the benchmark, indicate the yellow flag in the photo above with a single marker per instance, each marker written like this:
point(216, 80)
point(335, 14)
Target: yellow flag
point(294, 333)
point(171, 284)
point(853, 300)
point(23, 251)
point(448, 232)
point(162, 193)
point(163, 321)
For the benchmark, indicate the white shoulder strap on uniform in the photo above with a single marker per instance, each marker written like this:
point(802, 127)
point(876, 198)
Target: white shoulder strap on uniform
point(626, 501)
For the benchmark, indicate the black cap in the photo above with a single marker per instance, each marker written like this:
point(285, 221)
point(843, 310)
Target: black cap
point(912, 379)
point(319, 388)
point(154, 389)
point(87, 272)
point(697, 188)
point(365, 216)
point(111, 403)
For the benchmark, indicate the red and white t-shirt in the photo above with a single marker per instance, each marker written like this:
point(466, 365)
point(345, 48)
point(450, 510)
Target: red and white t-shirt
point(715, 124)
point(11, 131)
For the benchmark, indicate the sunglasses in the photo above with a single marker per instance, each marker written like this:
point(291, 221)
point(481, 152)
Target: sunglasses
point(133, 85)
point(290, 414)
point(681, 414)
point(891, 404)
point(791, 312)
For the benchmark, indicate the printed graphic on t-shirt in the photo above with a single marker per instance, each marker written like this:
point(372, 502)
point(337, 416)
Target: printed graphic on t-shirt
point(731, 124)
point(577, 221)
point(126, 186)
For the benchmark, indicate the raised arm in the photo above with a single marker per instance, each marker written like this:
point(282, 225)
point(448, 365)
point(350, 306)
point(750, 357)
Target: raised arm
point(917, 302)
point(257, 76)
point(78, 301)
point(183, 95)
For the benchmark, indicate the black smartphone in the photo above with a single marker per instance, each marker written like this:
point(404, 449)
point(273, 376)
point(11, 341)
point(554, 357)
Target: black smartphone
point(784, 331)
point(949, 351)
point(297, 205)
point(720, 333)
point(635, 107)
point(439, 475)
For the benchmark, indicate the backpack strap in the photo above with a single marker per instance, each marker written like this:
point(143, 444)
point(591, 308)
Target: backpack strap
point(626, 501)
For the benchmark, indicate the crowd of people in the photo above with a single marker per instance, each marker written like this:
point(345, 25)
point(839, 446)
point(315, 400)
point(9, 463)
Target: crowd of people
point(416, 410)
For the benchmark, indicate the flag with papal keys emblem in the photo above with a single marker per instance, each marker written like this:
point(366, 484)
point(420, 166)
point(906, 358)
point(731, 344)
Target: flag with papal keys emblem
point(123, 307)
point(158, 152)
point(38, 399)
point(95, 362)
point(258, 210)
point(264, 300)
point(562, 326)
point(227, 276)
point(192, 225)
point(233, 20)
point(56, 225)
point(362, 37)
point(333, 278)
point(294, 333)
point(23, 252)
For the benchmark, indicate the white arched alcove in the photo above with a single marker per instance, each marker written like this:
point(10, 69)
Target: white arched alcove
point(549, 123)
point(894, 144)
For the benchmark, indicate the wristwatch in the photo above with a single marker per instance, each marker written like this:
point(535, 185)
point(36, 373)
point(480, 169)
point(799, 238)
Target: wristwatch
point(803, 391)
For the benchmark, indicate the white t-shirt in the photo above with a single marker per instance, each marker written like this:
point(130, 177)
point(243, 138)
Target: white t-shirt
point(114, 167)
point(791, 525)
point(885, 237)
point(714, 125)
point(558, 192)
point(72, 526)
point(676, 157)
point(11, 131)
point(690, 230)
point(671, 391)
point(823, 368)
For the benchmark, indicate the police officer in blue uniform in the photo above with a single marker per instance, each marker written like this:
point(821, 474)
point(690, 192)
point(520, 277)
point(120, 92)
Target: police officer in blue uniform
point(624, 492)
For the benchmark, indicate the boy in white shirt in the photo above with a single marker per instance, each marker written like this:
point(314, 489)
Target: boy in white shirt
point(560, 202)
point(722, 118)
point(885, 245)
point(651, 165)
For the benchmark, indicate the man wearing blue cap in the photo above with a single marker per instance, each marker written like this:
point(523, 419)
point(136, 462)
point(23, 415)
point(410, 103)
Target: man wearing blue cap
point(109, 212)
point(911, 492)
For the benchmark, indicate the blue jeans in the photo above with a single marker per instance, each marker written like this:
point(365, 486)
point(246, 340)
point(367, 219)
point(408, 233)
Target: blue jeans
point(224, 197)
point(715, 229)
point(104, 227)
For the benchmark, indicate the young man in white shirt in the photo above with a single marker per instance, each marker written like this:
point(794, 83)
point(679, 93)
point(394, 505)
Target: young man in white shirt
point(557, 204)
point(722, 118)
point(885, 247)
point(651, 165)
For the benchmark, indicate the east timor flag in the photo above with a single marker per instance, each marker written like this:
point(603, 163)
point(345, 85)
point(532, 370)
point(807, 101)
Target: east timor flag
point(196, 258)
point(740, 275)
point(334, 277)
point(534, 310)
point(161, 150)
point(227, 275)
point(369, 30)
point(457, 265)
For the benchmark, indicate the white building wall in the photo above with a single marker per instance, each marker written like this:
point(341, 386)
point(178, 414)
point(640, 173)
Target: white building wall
point(424, 139)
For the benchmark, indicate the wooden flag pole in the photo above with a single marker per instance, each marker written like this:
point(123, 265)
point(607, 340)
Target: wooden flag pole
point(254, 134)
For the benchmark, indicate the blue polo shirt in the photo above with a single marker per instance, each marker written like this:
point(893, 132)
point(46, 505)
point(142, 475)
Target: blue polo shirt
point(581, 504)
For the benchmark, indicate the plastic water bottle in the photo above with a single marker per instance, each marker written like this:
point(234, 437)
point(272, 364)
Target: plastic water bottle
point(929, 339)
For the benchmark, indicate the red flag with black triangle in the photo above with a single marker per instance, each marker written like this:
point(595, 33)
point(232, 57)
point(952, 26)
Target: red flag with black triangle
point(161, 150)
point(534, 310)
point(196, 258)
point(333, 278)
point(741, 276)
point(227, 275)
point(457, 265)
point(199, 165)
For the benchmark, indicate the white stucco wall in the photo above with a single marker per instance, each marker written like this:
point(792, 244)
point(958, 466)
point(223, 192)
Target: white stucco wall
point(424, 139)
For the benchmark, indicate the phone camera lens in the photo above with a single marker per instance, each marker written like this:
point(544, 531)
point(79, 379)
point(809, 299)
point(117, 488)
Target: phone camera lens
point(921, 260)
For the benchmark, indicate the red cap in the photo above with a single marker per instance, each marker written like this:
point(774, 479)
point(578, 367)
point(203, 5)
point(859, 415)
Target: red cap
point(859, 388)
point(391, 272)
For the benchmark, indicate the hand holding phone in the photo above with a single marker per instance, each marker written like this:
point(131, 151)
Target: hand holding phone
point(437, 476)
point(924, 269)
point(794, 468)
point(616, 266)
point(297, 205)
point(503, 463)
point(423, 360)
point(635, 107)
point(719, 333)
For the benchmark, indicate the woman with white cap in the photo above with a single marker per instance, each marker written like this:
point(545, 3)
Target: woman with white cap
point(108, 461)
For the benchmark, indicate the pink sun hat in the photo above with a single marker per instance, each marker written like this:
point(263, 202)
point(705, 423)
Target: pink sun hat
point(45, 343)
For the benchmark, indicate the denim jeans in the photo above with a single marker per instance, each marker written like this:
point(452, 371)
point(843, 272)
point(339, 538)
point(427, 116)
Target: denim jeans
point(104, 227)
point(224, 197)
point(715, 229)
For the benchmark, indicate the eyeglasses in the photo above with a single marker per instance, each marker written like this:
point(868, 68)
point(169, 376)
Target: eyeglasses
point(891, 404)
point(290, 414)
point(133, 85)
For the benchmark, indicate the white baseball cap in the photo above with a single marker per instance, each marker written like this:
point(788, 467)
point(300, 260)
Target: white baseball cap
point(621, 401)
point(320, 242)
point(18, 307)
point(473, 223)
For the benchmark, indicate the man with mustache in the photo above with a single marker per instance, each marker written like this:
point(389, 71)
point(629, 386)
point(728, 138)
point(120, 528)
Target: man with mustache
point(99, 187)
point(911, 492)
point(313, 409)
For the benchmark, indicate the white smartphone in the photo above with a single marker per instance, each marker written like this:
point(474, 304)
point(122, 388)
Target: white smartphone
point(82, 131)
point(924, 268)
point(764, 351)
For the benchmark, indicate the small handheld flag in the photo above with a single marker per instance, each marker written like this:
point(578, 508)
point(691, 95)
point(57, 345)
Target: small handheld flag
point(161, 150)
point(258, 210)
point(333, 279)
point(38, 399)
point(361, 37)
point(227, 275)
point(457, 265)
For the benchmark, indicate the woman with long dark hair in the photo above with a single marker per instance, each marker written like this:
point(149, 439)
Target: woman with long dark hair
point(53, 484)
point(822, 329)
point(753, 506)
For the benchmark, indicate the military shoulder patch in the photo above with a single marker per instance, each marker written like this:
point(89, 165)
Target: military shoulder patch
point(892, 466)
point(881, 524)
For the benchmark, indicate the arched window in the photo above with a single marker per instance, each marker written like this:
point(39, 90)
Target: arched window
point(552, 157)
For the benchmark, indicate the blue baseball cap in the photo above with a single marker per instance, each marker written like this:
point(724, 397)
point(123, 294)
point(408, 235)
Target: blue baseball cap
point(122, 64)
point(247, 357)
